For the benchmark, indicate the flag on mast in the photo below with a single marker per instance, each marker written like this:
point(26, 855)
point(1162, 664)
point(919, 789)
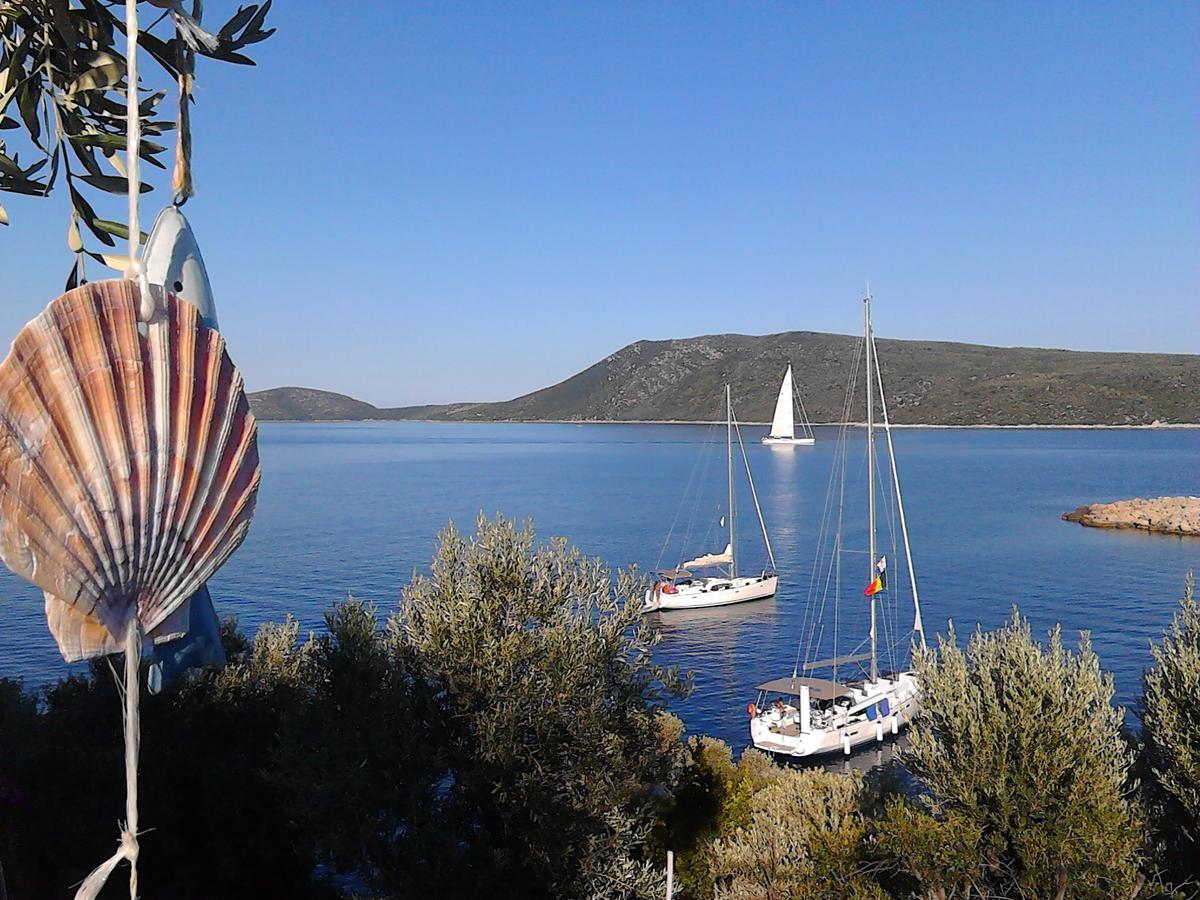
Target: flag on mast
point(880, 582)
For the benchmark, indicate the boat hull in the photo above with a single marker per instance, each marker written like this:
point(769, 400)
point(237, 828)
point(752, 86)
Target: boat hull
point(849, 733)
point(789, 442)
point(707, 592)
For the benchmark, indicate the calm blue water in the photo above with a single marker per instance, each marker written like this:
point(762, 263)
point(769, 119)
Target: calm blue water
point(355, 508)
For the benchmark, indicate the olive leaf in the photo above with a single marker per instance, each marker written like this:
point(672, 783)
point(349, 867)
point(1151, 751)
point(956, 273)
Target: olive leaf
point(63, 81)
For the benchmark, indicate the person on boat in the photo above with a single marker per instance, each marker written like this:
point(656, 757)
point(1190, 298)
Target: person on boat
point(778, 711)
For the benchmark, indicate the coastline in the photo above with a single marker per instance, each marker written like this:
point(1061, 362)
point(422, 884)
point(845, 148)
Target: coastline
point(1172, 426)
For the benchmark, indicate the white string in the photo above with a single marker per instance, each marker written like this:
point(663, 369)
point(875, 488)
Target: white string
point(136, 271)
point(127, 849)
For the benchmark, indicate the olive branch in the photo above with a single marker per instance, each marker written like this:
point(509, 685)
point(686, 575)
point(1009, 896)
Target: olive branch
point(62, 88)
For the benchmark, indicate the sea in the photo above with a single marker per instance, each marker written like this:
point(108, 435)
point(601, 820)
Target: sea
point(354, 509)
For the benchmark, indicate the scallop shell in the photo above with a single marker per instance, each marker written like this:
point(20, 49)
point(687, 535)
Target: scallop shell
point(128, 462)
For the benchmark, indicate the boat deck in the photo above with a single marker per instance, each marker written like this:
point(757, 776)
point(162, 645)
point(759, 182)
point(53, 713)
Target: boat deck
point(773, 746)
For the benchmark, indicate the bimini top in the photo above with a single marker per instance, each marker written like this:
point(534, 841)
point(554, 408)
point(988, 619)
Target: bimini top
point(818, 688)
point(675, 573)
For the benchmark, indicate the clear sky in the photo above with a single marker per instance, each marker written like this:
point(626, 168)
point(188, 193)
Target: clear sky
point(426, 202)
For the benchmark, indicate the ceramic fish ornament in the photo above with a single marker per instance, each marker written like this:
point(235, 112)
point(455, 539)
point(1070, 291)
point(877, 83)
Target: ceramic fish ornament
point(128, 463)
point(171, 258)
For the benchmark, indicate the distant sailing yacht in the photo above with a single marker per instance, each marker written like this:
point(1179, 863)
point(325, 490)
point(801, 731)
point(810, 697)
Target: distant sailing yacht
point(783, 426)
point(801, 716)
point(679, 588)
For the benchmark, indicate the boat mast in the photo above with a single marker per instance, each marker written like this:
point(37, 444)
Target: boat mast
point(729, 473)
point(870, 477)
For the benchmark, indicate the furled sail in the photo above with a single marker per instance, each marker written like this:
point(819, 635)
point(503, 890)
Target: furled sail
point(783, 425)
point(710, 559)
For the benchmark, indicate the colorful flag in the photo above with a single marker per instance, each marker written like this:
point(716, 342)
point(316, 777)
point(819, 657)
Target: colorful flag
point(880, 582)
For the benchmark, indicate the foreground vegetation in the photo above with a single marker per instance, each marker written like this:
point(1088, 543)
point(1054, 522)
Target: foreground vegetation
point(504, 734)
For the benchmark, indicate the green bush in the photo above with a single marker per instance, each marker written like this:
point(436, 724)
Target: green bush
point(502, 735)
point(214, 810)
point(548, 704)
point(1170, 712)
point(803, 841)
point(1024, 769)
point(755, 829)
point(711, 800)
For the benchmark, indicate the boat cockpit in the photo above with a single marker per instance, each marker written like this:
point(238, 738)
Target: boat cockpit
point(794, 705)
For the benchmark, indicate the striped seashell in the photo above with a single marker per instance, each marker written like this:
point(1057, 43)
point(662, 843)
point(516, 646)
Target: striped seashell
point(128, 463)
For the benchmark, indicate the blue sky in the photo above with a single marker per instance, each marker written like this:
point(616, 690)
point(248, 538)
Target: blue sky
point(466, 201)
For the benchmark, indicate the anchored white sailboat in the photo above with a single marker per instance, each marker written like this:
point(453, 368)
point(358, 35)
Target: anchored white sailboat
point(783, 426)
point(680, 588)
point(803, 716)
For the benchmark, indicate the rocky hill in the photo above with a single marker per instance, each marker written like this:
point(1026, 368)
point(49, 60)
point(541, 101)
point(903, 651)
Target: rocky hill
point(297, 404)
point(928, 382)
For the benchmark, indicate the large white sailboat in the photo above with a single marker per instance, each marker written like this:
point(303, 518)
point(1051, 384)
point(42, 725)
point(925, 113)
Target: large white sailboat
point(682, 588)
point(804, 716)
point(783, 425)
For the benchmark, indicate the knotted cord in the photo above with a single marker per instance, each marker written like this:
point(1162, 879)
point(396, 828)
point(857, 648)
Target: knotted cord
point(127, 848)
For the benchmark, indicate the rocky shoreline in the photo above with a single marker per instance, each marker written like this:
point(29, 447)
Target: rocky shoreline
point(1166, 515)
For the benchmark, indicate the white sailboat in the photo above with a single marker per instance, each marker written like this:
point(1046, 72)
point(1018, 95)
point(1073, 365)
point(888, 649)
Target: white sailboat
point(783, 425)
point(803, 716)
point(680, 588)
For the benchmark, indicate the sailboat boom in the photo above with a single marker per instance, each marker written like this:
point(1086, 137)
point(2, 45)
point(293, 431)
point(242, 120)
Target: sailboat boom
point(918, 625)
point(754, 495)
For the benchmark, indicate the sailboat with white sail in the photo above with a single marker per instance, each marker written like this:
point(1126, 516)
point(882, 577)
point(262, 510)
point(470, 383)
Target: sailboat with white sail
point(683, 588)
point(804, 716)
point(783, 425)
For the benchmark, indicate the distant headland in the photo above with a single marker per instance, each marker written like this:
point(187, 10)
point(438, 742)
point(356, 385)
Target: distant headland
point(929, 383)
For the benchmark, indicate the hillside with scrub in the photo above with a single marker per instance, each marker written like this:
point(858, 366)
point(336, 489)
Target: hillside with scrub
point(927, 383)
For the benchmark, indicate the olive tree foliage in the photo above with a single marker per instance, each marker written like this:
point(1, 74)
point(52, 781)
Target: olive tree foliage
point(754, 829)
point(1170, 712)
point(62, 91)
point(1024, 769)
point(803, 841)
point(711, 801)
point(213, 797)
point(550, 708)
point(934, 857)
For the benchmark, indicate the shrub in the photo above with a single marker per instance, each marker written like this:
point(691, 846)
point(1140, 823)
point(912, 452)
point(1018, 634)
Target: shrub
point(804, 839)
point(1020, 753)
point(712, 799)
point(214, 812)
point(936, 857)
point(755, 829)
point(540, 676)
point(1170, 714)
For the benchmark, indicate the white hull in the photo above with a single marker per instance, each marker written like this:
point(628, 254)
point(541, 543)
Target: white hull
point(843, 729)
point(789, 442)
point(705, 592)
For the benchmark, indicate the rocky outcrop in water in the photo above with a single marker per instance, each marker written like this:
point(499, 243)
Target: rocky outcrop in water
point(1169, 515)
